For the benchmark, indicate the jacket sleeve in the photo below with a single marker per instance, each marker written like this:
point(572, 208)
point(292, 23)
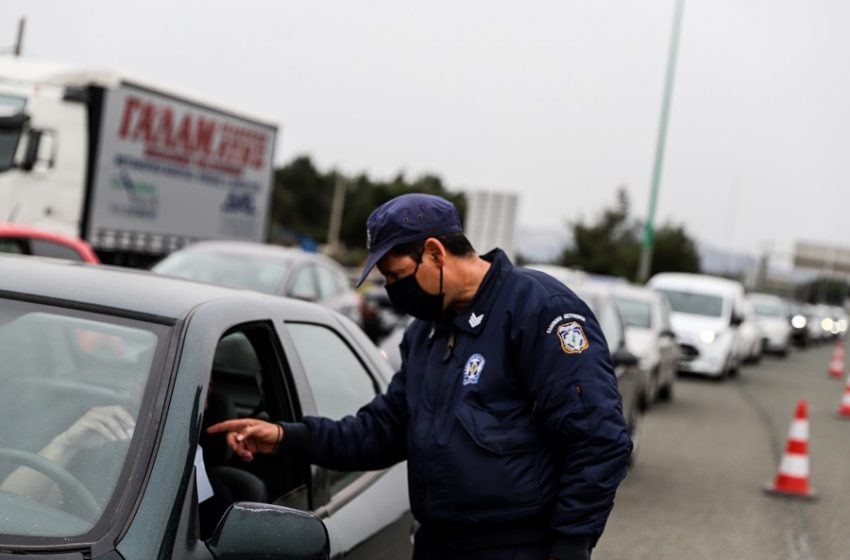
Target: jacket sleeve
point(372, 439)
point(565, 360)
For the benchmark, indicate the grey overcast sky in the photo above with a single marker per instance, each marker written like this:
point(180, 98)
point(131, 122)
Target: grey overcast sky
point(559, 100)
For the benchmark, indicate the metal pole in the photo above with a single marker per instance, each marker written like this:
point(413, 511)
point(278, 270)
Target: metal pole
point(19, 40)
point(335, 222)
point(646, 254)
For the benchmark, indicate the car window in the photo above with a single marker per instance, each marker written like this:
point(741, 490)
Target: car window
point(664, 315)
point(45, 248)
point(303, 285)
point(227, 269)
point(636, 313)
point(612, 327)
point(694, 303)
point(329, 284)
point(339, 381)
point(63, 372)
point(12, 245)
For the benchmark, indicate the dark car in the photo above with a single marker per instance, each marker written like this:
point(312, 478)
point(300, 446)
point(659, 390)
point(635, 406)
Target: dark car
point(271, 269)
point(380, 315)
point(799, 323)
point(23, 240)
point(110, 377)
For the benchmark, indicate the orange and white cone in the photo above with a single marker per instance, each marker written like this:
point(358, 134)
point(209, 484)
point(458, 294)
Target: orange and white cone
point(844, 409)
point(836, 365)
point(792, 480)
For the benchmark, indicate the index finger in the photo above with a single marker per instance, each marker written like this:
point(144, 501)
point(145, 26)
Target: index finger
point(230, 425)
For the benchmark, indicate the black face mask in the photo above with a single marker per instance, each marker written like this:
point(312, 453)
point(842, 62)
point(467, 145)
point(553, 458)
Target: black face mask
point(408, 295)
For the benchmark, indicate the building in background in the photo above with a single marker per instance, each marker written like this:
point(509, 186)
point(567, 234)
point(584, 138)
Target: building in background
point(491, 221)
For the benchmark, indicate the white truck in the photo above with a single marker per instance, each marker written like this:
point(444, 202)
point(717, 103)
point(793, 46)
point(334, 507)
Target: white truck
point(134, 169)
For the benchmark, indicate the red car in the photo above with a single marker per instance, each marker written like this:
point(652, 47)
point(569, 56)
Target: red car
point(23, 240)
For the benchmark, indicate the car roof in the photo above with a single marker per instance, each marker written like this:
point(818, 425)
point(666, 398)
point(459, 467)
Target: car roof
point(262, 250)
point(135, 291)
point(634, 291)
point(694, 282)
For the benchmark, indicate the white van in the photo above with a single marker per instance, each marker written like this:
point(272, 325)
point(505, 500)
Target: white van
point(706, 313)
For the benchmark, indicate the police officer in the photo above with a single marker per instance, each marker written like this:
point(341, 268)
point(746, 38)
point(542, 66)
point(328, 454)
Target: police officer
point(506, 405)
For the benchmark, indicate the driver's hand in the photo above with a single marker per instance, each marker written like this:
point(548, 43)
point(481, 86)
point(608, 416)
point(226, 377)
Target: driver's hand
point(99, 425)
point(247, 436)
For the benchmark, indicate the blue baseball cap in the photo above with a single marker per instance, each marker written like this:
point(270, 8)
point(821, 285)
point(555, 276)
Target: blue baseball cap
point(407, 218)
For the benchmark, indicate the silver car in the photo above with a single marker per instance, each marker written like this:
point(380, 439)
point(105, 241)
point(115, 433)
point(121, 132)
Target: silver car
point(650, 337)
point(271, 269)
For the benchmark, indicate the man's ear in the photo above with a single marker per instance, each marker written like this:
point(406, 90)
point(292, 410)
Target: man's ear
point(433, 249)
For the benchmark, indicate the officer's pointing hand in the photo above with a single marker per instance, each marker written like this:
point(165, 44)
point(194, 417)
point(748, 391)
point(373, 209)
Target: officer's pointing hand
point(247, 436)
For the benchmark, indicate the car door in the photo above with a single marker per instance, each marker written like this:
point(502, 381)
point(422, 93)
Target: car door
point(366, 513)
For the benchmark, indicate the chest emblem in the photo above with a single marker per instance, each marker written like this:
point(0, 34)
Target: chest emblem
point(472, 369)
point(572, 337)
point(475, 320)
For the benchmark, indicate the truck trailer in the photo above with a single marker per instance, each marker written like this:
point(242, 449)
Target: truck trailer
point(135, 169)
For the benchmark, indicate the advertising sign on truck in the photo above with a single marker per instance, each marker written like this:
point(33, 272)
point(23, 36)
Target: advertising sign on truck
point(173, 170)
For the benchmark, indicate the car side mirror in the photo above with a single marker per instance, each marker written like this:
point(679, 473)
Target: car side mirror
point(668, 332)
point(623, 357)
point(251, 530)
point(736, 320)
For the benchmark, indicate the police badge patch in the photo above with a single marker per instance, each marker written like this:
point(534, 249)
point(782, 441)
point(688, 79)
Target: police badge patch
point(572, 337)
point(472, 369)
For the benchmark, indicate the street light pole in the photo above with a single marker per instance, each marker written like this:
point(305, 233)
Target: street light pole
point(646, 254)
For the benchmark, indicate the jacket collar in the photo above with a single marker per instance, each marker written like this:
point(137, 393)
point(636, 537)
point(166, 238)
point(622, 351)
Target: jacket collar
point(473, 317)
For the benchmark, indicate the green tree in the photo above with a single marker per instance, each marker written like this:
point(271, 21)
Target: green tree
point(612, 245)
point(674, 251)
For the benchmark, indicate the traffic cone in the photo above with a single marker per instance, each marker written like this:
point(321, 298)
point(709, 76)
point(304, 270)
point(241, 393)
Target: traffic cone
point(844, 409)
point(836, 365)
point(792, 480)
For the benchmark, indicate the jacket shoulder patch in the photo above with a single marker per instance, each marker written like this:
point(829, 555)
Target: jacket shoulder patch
point(572, 338)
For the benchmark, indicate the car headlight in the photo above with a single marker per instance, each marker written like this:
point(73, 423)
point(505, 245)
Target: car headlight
point(826, 324)
point(798, 322)
point(708, 336)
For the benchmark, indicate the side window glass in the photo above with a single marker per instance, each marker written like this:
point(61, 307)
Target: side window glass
point(340, 382)
point(611, 327)
point(44, 248)
point(12, 245)
point(664, 310)
point(303, 286)
point(328, 285)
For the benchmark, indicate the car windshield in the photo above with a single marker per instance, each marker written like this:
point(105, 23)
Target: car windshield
point(238, 271)
point(11, 126)
point(693, 303)
point(767, 309)
point(72, 390)
point(635, 312)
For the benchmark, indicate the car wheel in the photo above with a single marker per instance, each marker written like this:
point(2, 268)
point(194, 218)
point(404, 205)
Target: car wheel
point(665, 392)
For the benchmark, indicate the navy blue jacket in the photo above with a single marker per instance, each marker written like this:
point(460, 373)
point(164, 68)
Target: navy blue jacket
point(506, 414)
